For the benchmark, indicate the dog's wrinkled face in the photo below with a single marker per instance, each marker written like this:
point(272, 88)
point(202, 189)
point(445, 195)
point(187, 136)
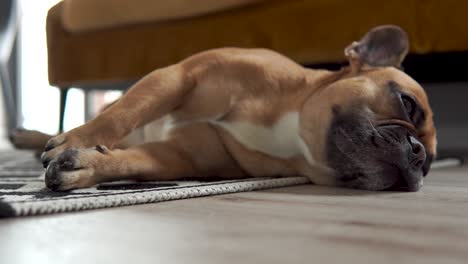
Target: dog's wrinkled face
point(372, 149)
point(381, 134)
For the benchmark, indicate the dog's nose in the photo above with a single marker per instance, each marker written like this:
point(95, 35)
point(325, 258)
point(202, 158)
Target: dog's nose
point(418, 154)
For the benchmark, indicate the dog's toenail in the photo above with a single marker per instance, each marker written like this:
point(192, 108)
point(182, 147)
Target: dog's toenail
point(49, 146)
point(45, 160)
point(51, 179)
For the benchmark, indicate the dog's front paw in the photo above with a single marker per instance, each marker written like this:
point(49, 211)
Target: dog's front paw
point(73, 168)
point(57, 145)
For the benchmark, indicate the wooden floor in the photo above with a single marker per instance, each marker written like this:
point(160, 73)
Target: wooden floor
point(302, 224)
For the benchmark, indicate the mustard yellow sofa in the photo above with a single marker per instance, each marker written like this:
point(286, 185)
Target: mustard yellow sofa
point(96, 42)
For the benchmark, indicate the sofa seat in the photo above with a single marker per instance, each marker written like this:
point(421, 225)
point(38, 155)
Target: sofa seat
point(308, 31)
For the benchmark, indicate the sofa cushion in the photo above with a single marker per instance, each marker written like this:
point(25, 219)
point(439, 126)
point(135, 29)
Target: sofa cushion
point(81, 15)
point(307, 31)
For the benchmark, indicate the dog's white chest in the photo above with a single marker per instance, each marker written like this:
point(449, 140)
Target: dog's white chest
point(281, 140)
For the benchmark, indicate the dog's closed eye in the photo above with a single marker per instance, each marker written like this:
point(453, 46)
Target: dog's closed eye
point(414, 112)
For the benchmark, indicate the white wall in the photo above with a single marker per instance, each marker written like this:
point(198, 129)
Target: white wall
point(4, 142)
point(40, 101)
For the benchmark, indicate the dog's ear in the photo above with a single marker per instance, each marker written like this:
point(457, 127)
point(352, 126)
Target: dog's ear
point(382, 46)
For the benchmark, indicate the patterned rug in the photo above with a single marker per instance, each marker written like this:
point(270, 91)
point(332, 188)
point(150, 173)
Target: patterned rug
point(23, 192)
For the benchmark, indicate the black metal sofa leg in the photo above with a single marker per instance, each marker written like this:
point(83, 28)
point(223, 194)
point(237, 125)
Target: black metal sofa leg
point(63, 102)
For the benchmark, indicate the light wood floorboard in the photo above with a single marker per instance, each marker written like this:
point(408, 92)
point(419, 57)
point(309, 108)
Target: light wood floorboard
point(301, 224)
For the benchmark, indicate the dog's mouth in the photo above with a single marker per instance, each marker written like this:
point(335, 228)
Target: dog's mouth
point(404, 185)
point(410, 165)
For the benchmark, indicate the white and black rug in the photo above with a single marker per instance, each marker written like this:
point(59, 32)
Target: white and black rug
point(23, 192)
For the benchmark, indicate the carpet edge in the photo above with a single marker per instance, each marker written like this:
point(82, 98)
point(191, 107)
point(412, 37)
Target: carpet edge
point(86, 203)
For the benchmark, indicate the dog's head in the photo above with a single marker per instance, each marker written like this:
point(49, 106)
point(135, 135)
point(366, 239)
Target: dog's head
point(379, 131)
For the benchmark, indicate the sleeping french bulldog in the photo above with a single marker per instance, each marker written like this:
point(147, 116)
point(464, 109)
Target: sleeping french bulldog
point(237, 113)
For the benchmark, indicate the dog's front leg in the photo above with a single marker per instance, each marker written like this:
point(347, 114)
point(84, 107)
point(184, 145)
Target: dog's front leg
point(81, 168)
point(185, 154)
point(151, 98)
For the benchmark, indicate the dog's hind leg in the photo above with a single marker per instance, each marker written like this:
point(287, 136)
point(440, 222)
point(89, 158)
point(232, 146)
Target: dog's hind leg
point(194, 151)
point(157, 94)
point(28, 139)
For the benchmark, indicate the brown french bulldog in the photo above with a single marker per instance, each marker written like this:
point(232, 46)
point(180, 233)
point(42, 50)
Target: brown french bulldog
point(237, 113)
